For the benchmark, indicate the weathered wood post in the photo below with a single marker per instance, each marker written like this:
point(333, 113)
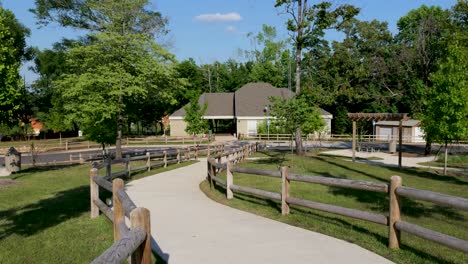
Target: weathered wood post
point(148, 160)
point(127, 166)
point(229, 180)
point(165, 159)
point(212, 172)
point(140, 218)
point(196, 152)
point(127, 141)
point(81, 158)
point(284, 190)
point(256, 146)
point(119, 213)
point(66, 145)
point(94, 192)
point(178, 156)
point(354, 141)
point(208, 153)
point(394, 214)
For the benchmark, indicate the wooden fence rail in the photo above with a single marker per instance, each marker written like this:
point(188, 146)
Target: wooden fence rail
point(393, 189)
point(133, 241)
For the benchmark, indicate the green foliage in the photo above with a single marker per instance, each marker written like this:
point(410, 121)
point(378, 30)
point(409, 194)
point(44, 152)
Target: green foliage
point(262, 128)
point(12, 51)
point(194, 118)
point(444, 118)
point(295, 113)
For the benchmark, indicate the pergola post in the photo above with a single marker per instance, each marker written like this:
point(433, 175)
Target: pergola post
point(400, 143)
point(354, 141)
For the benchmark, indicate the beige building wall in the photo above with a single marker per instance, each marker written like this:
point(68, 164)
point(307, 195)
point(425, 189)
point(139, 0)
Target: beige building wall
point(242, 127)
point(178, 128)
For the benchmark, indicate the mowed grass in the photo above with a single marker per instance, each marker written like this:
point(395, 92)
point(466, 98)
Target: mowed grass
point(46, 217)
point(455, 161)
point(368, 235)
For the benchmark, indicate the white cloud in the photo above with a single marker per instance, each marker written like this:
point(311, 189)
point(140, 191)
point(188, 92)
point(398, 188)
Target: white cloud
point(218, 17)
point(231, 29)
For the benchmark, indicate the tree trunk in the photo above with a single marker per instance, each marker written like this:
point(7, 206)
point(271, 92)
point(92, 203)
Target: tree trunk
point(428, 148)
point(300, 16)
point(118, 144)
point(445, 160)
point(299, 147)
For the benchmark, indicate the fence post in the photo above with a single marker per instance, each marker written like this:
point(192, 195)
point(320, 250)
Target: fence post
point(229, 180)
point(212, 172)
point(256, 146)
point(208, 153)
point(148, 160)
point(81, 158)
point(89, 144)
point(140, 218)
point(108, 167)
point(71, 157)
point(66, 145)
point(119, 213)
point(178, 156)
point(94, 192)
point(394, 214)
point(127, 166)
point(284, 190)
point(196, 152)
point(165, 159)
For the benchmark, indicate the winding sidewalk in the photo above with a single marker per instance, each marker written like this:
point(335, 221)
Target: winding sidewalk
point(191, 228)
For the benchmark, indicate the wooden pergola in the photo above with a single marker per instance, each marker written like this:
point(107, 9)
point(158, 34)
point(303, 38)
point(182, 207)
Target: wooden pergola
point(379, 117)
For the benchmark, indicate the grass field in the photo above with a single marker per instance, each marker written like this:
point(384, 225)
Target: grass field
point(45, 217)
point(455, 161)
point(368, 235)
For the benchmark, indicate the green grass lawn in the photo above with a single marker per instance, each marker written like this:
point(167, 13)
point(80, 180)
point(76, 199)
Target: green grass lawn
point(45, 218)
point(368, 235)
point(455, 161)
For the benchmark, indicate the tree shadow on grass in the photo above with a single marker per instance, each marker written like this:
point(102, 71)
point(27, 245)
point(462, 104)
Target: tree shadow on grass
point(431, 176)
point(335, 221)
point(30, 170)
point(34, 218)
point(274, 158)
point(380, 202)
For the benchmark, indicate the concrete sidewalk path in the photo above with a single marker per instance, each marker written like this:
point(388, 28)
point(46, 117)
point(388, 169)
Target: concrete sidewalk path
point(190, 228)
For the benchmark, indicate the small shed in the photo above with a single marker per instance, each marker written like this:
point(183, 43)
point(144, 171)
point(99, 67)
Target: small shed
point(412, 132)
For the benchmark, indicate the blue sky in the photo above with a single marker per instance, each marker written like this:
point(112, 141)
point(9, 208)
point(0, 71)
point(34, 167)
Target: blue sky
point(209, 30)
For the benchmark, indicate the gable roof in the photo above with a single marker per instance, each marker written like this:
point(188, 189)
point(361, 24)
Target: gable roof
point(249, 101)
point(252, 98)
point(219, 104)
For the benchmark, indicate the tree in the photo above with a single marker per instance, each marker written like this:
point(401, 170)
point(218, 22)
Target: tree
point(422, 37)
point(12, 51)
point(308, 25)
point(120, 60)
point(445, 115)
point(194, 118)
point(296, 114)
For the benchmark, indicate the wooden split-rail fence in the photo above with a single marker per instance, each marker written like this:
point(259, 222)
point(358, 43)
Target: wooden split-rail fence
point(394, 189)
point(133, 241)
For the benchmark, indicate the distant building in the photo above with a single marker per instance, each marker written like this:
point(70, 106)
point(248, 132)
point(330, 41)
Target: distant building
point(412, 132)
point(240, 112)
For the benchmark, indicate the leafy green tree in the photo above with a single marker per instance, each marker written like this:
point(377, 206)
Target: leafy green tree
point(194, 118)
point(12, 51)
point(308, 25)
point(444, 118)
point(296, 114)
point(120, 60)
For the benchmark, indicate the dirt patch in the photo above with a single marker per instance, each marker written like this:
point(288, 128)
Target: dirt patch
point(5, 183)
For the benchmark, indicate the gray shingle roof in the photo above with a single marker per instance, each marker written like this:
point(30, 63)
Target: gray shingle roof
point(252, 98)
point(219, 104)
point(249, 101)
